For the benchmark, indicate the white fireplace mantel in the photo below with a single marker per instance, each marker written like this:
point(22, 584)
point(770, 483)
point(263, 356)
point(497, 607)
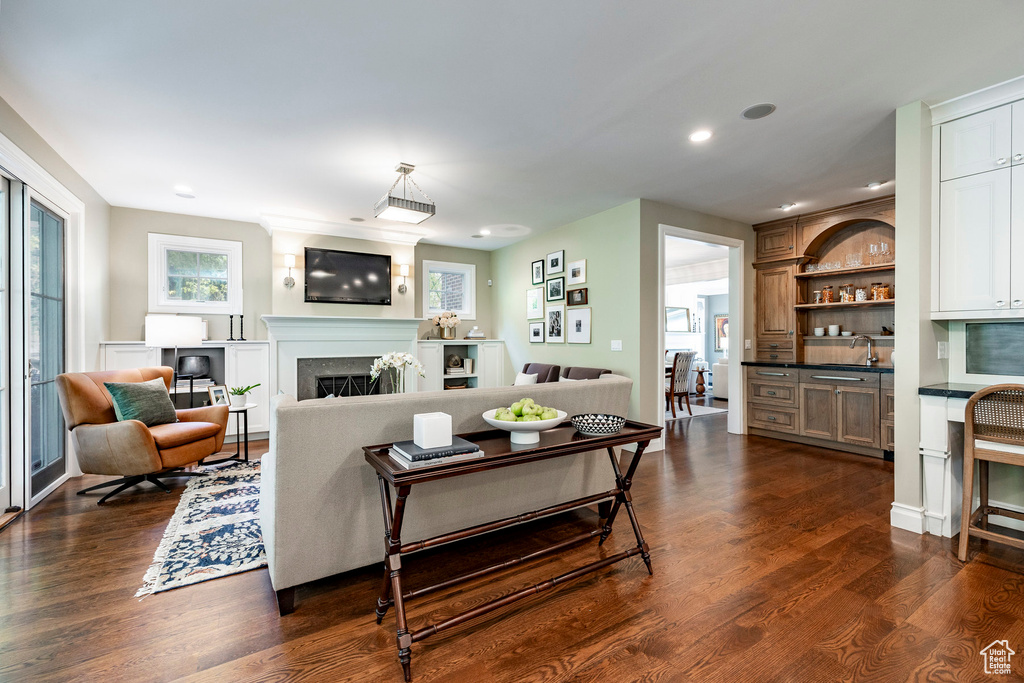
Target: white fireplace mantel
point(299, 336)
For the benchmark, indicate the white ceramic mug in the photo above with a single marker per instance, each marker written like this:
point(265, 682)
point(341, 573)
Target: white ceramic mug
point(833, 330)
point(819, 331)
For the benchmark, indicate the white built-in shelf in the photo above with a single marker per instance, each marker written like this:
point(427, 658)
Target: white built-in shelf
point(459, 376)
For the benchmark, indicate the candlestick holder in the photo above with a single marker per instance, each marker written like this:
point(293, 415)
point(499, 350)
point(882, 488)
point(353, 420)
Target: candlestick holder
point(231, 328)
point(241, 327)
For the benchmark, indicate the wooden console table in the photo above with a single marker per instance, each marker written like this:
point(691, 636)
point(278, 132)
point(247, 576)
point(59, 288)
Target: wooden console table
point(499, 452)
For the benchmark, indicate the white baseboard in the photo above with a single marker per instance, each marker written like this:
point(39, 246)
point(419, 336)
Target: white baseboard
point(907, 517)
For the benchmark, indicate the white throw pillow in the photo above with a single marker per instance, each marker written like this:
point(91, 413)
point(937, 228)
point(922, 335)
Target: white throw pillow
point(566, 379)
point(523, 378)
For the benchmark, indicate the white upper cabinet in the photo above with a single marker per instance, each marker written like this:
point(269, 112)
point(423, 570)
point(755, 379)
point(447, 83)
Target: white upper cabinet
point(1017, 152)
point(974, 243)
point(1017, 239)
point(980, 142)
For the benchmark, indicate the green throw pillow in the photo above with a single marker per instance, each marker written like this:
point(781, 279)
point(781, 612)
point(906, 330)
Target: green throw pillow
point(147, 402)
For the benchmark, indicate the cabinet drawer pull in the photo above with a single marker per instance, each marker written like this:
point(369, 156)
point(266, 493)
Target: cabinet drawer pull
point(1001, 161)
point(774, 346)
point(770, 393)
point(840, 379)
point(771, 417)
point(773, 355)
point(1018, 157)
point(1000, 303)
point(772, 374)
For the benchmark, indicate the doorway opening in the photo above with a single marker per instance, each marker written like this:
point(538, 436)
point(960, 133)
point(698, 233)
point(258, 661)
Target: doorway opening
point(701, 294)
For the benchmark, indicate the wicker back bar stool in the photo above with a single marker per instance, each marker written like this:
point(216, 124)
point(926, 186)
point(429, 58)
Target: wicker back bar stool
point(993, 432)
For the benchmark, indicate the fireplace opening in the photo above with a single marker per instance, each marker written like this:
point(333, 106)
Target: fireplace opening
point(346, 385)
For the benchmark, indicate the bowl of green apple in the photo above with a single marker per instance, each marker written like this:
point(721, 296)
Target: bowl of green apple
point(525, 420)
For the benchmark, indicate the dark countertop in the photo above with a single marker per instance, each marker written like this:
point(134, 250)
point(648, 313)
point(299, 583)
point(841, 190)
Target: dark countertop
point(951, 390)
point(819, 366)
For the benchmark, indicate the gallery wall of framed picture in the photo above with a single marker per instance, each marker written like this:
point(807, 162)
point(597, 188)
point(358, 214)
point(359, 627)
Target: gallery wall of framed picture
point(555, 313)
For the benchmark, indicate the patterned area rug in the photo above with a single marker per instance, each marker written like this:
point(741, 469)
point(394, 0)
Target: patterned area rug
point(215, 531)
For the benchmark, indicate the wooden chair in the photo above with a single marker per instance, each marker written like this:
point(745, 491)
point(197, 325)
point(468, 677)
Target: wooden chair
point(994, 432)
point(678, 385)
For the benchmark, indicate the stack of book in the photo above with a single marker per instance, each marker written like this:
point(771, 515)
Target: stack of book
point(409, 455)
point(456, 371)
point(203, 384)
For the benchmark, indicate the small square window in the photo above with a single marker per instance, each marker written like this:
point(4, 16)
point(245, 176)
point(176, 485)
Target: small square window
point(194, 275)
point(449, 287)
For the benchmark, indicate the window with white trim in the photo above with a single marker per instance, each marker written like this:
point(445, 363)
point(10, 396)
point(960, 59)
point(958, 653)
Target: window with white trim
point(449, 287)
point(194, 275)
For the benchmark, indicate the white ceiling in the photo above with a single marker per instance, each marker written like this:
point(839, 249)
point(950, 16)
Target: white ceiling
point(527, 113)
point(683, 252)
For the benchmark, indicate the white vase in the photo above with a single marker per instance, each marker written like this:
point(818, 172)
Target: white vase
point(238, 401)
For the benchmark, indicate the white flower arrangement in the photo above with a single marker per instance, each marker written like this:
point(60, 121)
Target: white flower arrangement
point(446, 319)
point(394, 364)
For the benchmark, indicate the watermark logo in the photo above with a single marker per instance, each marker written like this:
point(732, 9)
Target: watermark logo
point(997, 657)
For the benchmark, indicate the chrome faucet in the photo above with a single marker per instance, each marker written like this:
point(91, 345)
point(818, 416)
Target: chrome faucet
point(872, 358)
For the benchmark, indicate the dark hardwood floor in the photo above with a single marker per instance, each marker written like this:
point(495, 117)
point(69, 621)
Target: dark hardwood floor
point(773, 562)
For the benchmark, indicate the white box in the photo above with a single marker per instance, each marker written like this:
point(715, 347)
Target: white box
point(432, 430)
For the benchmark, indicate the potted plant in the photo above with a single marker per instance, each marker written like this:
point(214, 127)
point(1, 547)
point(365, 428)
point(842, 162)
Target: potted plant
point(446, 323)
point(239, 395)
point(393, 365)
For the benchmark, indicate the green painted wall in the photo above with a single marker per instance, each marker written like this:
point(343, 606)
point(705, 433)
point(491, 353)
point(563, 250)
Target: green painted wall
point(610, 242)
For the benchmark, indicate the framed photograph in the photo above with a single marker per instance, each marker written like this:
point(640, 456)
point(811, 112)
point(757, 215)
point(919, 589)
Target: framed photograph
point(677, 319)
point(578, 272)
point(535, 303)
point(537, 333)
point(556, 262)
point(218, 395)
point(577, 297)
point(556, 325)
point(578, 324)
point(538, 272)
point(721, 332)
point(556, 289)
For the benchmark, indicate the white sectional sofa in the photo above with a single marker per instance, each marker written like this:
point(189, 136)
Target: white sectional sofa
point(319, 502)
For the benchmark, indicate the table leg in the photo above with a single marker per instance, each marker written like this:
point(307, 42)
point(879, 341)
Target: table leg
point(245, 417)
point(700, 382)
point(238, 435)
point(393, 545)
point(385, 589)
point(626, 499)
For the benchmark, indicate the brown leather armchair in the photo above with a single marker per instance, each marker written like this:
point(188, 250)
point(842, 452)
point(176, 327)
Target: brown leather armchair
point(544, 372)
point(130, 449)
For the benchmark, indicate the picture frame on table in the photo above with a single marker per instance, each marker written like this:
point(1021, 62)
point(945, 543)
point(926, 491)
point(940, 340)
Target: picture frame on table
point(556, 262)
point(535, 303)
point(537, 272)
point(537, 332)
point(577, 272)
point(577, 297)
point(578, 323)
point(555, 324)
point(218, 395)
point(556, 289)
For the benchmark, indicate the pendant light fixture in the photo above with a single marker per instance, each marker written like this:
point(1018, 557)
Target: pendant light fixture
point(404, 208)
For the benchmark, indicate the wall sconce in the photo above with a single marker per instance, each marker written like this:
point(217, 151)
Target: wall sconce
point(289, 262)
point(403, 270)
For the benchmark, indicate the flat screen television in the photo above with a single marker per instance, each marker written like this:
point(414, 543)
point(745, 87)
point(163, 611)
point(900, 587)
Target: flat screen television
point(347, 277)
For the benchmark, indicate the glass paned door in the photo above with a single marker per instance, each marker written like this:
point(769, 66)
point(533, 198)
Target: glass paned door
point(5, 451)
point(45, 344)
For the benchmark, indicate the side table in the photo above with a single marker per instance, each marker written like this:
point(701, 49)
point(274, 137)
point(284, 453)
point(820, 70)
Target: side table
point(241, 414)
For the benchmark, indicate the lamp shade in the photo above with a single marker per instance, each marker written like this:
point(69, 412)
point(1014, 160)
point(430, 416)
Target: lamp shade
point(289, 260)
point(403, 270)
point(173, 330)
point(405, 210)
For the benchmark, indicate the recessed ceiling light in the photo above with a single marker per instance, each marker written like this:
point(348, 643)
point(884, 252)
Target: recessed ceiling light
point(758, 111)
point(477, 237)
point(700, 135)
point(183, 188)
point(357, 219)
point(185, 195)
point(787, 206)
point(485, 231)
point(875, 185)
